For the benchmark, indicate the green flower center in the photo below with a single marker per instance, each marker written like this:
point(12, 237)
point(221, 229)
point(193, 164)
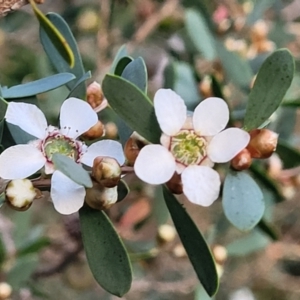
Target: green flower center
point(61, 145)
point(188, 148)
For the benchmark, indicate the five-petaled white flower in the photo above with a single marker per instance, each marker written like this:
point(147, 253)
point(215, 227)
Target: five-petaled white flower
point(191, 144)
point(21, 161)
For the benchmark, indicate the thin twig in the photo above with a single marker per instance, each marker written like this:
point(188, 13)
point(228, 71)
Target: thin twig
point(166, 10)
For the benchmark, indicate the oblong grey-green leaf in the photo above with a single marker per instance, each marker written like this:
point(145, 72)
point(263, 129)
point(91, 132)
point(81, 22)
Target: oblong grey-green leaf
point(237, 70)
point(243, 202)
point(273, 80)
point(38, 86)
point(136, 73)
point(120, 54)
point(71, 169)
point(185, 84)
point(57, 39)
point(105, 252)
point(55, 57)
point(200, 33)
point(121, 65)
point(289, 155)
point(194, 244)
point(133, 106)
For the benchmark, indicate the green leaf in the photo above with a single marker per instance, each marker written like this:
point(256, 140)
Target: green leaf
point(56, 37)
point(2, 252)
point(20, 273)
point(200, 34)
point(76, 90)
point(258, 10)
point(56, 58)
point(268, 229)
point(248, 244)
point(20, 136)
point(169, 76)
point(136, 73)
point(3, 107)
point(2, 199)
point(37, 86)
point(289, 155)
point(34, 246)
point(185, 84)
point(123, 190)
point(273, 80)
point(34, 240)
point(237, 69)
point(194, 244)
point(133, 106)
point(71, 169)
point(160, 211)
point(121, 65)
point(120, 54)
point(243, 202)
point(265, 180)
point(105, 252)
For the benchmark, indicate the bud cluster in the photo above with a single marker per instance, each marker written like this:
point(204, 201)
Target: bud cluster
point(106, 174)
point(262, 144)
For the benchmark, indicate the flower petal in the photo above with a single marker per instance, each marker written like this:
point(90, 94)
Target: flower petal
point(28, 117)
point(201, 185)
point(154, 164)
point(20, 161)
point(170, 111)
point(103, 148)
point(76, 117)
point(210, 116)
point(227, 144)
point(67, 195)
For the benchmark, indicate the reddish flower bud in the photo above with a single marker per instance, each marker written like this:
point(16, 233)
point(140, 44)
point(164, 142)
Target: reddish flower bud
point(242, 160)
point(100, 197)
point(220, 254)
point(262, 143)
point(132, 149)
point(94, 132)
point(106, 171)
point(94, 94)
point(175, 184)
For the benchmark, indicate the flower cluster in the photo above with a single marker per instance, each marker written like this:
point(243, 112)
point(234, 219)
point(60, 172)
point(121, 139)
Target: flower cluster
point(21, 161)
point(190, 145)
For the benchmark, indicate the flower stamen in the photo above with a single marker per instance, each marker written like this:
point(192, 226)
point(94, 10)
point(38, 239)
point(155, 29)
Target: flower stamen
point(188, 148)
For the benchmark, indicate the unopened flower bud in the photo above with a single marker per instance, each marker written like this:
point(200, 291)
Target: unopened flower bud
point(205, 87)
point(106, 171)
point(175, 184)
point(20, 194)
point(132, 149)
point(94, 132)
point(100, 197)
point(5, 290)
point(111, 130)
point(242, 160)
point(94, 94)
point(166, 233)
point(220, 254)
point(262, 143)
point(259, 31)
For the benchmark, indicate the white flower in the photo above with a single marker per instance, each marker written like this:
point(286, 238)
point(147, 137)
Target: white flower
point(21, 161)
point(190, 146)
